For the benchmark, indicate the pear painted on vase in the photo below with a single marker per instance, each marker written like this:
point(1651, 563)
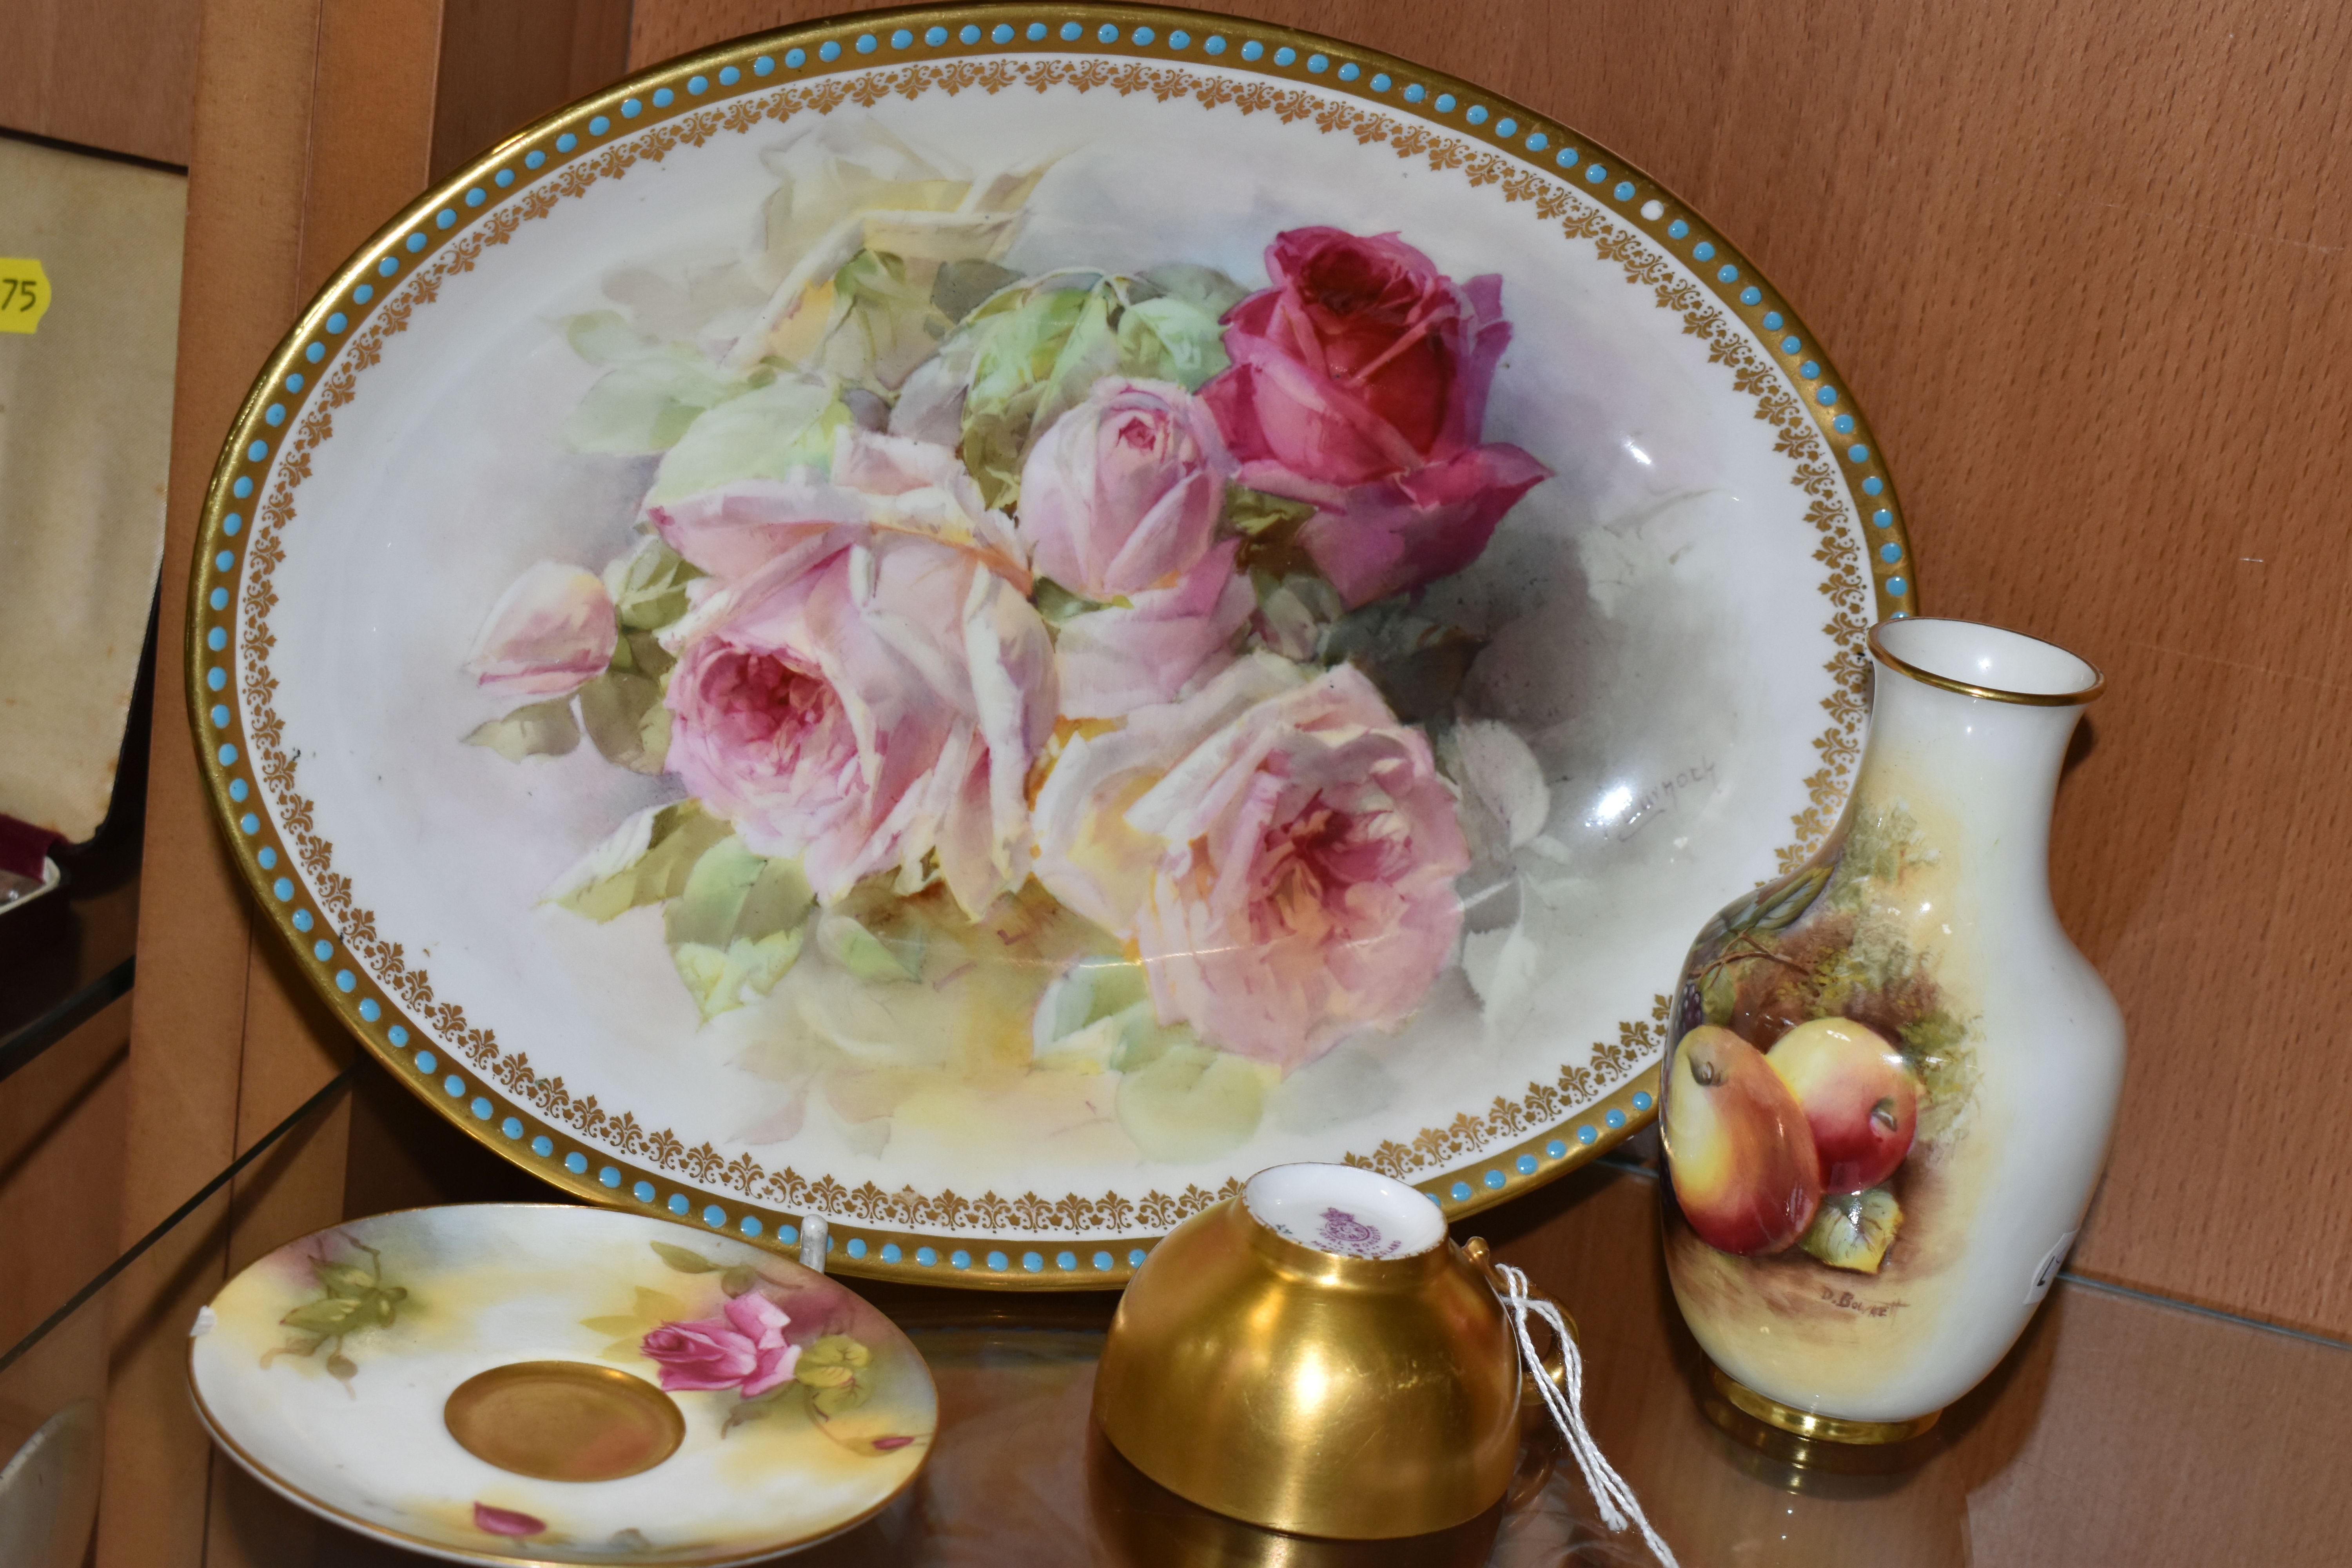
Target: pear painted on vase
point(1745, 1170)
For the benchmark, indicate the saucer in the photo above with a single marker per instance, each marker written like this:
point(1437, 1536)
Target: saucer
point(515, 1382)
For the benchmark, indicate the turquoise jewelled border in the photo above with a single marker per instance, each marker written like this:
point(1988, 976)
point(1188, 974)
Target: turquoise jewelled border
point(1466, 1166)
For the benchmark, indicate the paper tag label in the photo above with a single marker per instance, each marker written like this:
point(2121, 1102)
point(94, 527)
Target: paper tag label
point(24, 293)
point(2046, 1274)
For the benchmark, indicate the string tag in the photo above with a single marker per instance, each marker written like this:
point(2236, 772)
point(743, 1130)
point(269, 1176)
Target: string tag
point(1619, 1507)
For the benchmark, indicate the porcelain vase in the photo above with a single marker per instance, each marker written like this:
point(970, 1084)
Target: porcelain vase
point(1893, 1075)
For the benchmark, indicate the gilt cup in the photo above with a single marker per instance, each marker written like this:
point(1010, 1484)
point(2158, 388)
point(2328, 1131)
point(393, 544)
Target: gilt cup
point(1316, 1356)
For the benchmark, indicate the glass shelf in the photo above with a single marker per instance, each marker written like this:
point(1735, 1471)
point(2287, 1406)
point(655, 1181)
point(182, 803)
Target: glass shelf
point(2122, 1428)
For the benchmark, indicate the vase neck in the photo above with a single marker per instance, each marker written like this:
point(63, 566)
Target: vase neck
point(1985, 760)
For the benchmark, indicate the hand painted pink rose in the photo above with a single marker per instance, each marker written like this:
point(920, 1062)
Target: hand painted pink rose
point(743, 1347)
point(1358, 383)
point(1122, 493)
point(878, 482)
point(1280, 850)
point(1398, 533)
point(1160, 646)
point(870, 699)
point(550, 633)
point(1089, 855)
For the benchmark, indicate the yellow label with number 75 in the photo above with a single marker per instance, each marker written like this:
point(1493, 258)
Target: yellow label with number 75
point(24, 293)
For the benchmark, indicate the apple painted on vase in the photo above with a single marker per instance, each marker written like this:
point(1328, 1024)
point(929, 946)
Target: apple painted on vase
point(1894, 1076)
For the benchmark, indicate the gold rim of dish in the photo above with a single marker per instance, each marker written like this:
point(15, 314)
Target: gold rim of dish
point(1460, 1186)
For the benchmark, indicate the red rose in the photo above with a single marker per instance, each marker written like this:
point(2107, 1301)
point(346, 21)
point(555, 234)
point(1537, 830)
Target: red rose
point(1359, 384)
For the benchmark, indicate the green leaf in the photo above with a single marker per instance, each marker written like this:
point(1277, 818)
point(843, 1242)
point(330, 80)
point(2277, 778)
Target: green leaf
point(1418, 663)
point(1853, 1230)
point(836, 1349)
point(648, 590)
point(331, 1316)
point(721, 980)
point(616, 1325)
point(762, 435)
point(1253, 513)
point(1772, 907)
point(853, 947)
point(832, 1362)
point(747, 1411)
point(732, 893)
point(299, 1348)
point(736, 925)
point(1294, 612)
point(1059, 605)
point(1205, 289)
point(1024, 342)
point(653, 1306)
point(347, 1280)
point(342, 1367)
point(1170, 339)
point(539, 730)
point(606, 337)
point(625, 716)
point(1037, 360)
point(1089, 353)
point(963, 287)
point(1783, 905)
point(647, 405)
point(1095, 988)
point(834, 1401)
point(684, 1261)
point(738, 1280)
point(885, 321)
point(1098, 1017)
point(1718, 994)
point(641, 653)
point(1190, 1102)
point(647, 861)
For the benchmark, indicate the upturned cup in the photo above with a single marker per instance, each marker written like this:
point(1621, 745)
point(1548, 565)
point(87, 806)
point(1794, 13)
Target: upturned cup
point(1316, 1356)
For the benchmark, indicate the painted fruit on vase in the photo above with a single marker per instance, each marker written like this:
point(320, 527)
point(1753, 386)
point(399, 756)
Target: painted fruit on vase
point(1745, 1169)
point(1858, 1098)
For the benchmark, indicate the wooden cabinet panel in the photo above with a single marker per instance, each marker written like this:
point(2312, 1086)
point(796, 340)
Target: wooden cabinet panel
point(504, 63)
point(2085, 263)
point(116, 74)
point(313, 127)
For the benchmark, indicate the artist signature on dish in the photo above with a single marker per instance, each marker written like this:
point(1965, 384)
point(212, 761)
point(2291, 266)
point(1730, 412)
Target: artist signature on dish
point(1622, 814)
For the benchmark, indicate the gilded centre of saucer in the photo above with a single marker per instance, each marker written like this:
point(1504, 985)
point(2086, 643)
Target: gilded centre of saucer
point(564, 1421)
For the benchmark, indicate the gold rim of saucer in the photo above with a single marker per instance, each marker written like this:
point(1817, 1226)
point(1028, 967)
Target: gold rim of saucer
point(1812, 1424)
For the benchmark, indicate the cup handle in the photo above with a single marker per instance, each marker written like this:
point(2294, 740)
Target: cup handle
point(1555, 1365)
